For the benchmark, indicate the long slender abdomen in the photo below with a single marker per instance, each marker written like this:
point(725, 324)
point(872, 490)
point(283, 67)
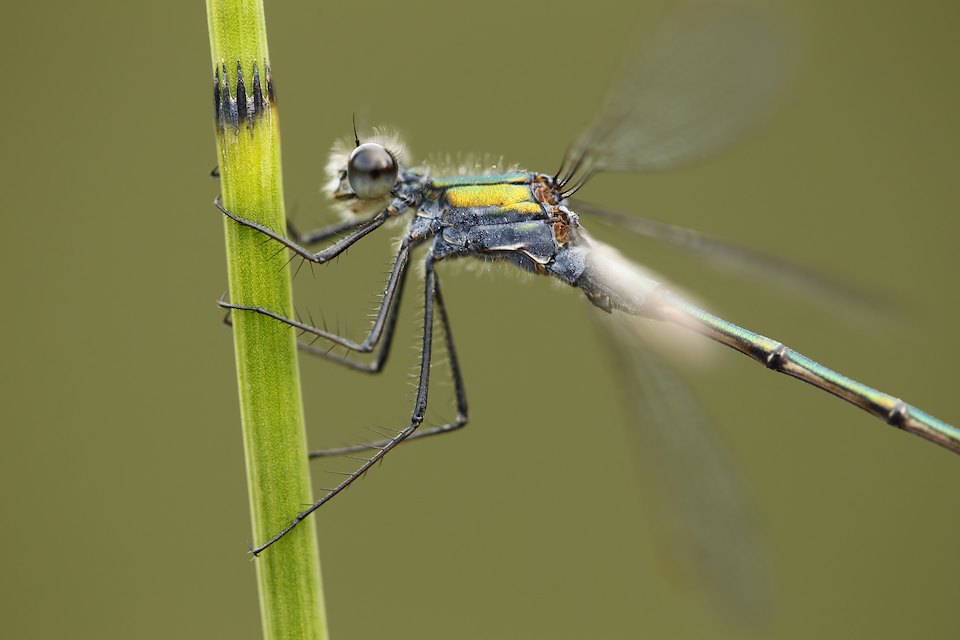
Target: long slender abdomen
point(613, 283)
point(774, 355)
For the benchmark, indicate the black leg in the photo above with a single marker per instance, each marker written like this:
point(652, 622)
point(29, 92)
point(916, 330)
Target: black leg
point(368, 344)
point(459, 389)
point(416, 418)
point(333, 250)
point(383, 352)
point(319, 235)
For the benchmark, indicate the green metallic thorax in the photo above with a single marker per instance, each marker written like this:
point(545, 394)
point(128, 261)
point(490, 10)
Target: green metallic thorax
point(490, 196)
point(513, 177)
point(517, 217)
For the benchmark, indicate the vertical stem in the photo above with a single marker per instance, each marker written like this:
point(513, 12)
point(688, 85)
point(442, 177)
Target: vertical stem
point(248, 144)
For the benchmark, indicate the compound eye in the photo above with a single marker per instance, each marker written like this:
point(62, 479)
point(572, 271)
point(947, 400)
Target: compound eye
point(371, 171)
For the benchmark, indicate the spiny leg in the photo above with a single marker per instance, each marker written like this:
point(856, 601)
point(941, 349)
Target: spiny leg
point(376, 365)
point(459, 390)
point(331, 252)
point(397, 273)
point(382, 353)
point(419, 410)
point(319, 235)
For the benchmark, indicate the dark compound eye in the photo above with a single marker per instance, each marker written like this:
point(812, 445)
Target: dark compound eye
point(371, 171)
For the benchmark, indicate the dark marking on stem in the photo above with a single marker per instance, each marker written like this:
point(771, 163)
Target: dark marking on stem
point(230, 115)
point(243, 110)
point(271, 95)
point(217, 114)
point(249, 103)
point(258, 105)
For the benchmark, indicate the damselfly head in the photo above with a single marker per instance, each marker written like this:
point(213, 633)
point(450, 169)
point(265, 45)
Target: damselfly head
point(362, 176)
point(371, 171)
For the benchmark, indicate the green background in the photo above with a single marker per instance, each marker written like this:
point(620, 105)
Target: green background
point(124, 503)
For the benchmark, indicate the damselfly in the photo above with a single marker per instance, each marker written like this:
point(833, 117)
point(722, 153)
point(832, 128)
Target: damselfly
point(698, 87)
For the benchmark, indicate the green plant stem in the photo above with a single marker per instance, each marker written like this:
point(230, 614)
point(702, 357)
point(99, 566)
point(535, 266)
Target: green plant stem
point(248, 144)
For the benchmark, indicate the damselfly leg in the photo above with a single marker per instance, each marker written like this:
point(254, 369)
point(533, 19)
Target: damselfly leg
point(394, 291)
point(325, 233)
point(459, 390)
point(383, 328)
point(331, 252)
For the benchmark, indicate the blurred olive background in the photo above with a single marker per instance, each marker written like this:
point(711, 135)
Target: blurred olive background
point(125, 510)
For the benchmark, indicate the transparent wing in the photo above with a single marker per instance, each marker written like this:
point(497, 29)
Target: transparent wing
point(710, 523)
point(733, 257)
point(711, 73)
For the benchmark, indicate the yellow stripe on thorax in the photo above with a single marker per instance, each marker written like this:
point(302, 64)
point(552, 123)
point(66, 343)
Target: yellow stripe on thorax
point(511, 196)
point(529, 206)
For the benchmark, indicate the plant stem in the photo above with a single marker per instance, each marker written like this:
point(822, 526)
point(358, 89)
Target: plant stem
point(248, 145)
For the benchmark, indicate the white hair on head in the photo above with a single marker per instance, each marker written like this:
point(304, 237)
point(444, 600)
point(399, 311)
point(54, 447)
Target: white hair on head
point(337, 166)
